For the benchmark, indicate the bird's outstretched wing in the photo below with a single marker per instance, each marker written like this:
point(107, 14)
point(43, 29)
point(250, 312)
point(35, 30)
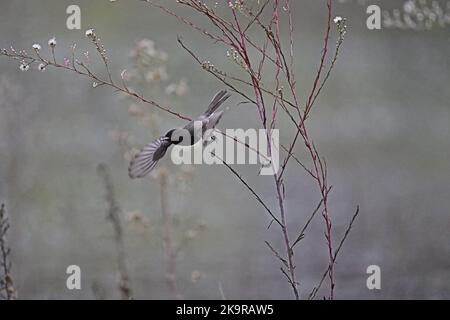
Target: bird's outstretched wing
point(148, 157)
point(215, 103)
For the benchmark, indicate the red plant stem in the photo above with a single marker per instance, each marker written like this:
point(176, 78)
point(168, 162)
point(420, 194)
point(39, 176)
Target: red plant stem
point(255, 81)
point(321, 176)
point(322, 59)
point(287, 243)
point(291, 38)
point(275, 18)
point(322, 184)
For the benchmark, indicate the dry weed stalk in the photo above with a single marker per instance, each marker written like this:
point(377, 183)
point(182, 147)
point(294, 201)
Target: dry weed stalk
point(114, 213)
point(7, 288)
point(169, 248)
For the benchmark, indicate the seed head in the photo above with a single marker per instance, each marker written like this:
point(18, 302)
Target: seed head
point(52, 42)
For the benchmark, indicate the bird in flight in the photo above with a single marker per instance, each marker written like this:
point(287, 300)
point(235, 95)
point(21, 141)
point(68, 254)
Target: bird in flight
point(145, 161)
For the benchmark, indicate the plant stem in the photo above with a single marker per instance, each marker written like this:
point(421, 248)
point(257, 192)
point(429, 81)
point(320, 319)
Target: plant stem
point(169, 249)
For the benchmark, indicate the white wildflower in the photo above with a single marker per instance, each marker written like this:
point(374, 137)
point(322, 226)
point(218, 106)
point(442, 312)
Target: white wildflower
point(24, 66)
point(52, 42)
point(90, 33)
point(41, 67)
point(337, 19)
point(37, 46)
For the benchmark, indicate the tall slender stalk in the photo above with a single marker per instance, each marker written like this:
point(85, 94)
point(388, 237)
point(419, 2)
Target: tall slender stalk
point(169, 248)
point(113, 215)
point(7, 288)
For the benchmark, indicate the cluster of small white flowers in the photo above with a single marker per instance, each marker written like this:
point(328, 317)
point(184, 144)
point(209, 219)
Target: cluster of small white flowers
point(341, 27)
point(236, 5)
point(27, 60)
point(25, 66)
point(147, 53)
point(235, 56)
point(207, 65)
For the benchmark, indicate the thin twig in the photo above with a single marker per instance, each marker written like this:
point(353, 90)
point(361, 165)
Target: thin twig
point(301, 234)
point(88, 73)
point(277, 254)
point(258, 198)
point(313, 293)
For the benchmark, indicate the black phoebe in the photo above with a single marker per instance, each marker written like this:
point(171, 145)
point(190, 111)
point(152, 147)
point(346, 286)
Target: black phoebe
point(148, 157)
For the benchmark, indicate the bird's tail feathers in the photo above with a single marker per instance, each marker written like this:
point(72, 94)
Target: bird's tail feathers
point(217, 101)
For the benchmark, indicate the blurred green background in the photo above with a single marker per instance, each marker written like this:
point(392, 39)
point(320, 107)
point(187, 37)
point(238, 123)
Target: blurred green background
point(382, 123)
